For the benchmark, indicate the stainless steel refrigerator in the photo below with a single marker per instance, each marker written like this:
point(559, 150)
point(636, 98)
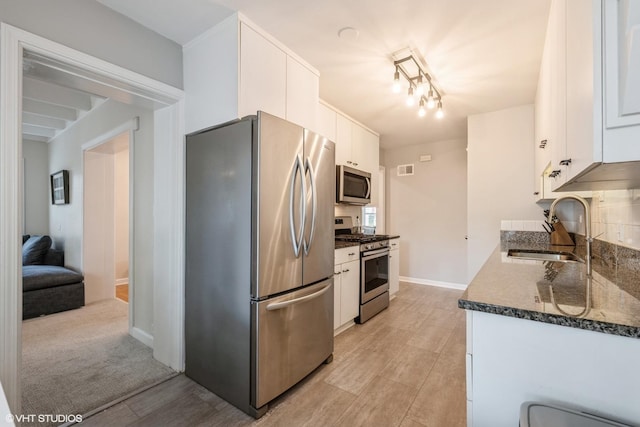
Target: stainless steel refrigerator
point(260, 195)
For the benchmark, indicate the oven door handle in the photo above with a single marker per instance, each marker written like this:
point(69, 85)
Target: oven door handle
point(375, 254)
point(285, 304)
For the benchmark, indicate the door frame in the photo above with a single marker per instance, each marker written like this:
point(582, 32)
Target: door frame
point(129, 127)
point(168, 205)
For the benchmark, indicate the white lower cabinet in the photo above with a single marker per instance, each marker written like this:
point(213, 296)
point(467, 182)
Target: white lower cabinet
point(510, 361)
point(346, 281)
point(394, 266)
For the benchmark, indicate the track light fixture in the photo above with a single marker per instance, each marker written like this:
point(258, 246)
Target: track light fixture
point(419, 84)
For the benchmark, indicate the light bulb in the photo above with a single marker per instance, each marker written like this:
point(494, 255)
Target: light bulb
point(439, 113)
point(421, 111)
point(430, 101)
point(419, 86)
point(410, 98)
point(396, 82)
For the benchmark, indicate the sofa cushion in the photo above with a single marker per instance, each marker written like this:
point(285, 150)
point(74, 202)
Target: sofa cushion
point(34, 249)
point(36, 277)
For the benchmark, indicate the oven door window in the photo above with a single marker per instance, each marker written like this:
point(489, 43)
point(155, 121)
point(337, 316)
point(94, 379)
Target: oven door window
point(375, 275)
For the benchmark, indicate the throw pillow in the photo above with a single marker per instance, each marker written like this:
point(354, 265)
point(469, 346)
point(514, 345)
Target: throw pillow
point(25, 237)
point(34, 249)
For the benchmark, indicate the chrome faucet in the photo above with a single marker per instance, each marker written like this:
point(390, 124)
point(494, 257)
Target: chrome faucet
point(587, 223)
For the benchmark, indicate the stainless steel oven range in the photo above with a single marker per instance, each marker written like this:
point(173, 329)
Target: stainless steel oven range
point(374, 267)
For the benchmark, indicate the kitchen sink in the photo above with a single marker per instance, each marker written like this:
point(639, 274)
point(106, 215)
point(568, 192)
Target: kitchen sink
point(542, 255)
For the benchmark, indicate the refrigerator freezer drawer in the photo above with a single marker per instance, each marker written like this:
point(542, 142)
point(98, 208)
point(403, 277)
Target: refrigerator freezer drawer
point(294, 334)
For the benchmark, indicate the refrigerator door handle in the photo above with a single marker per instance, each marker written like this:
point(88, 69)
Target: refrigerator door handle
point(314, 205)
point(284, 304)
point(296, 241)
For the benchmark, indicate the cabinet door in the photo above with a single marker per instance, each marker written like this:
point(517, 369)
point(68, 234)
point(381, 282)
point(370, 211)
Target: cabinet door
point(350, 300)
point(621, 46)
point(343, 140)
point(583, 145)
point(337, 295)
point(263, 75)
point(302, 94)
point(394, 266)
point(326, 122)
point(557, 24)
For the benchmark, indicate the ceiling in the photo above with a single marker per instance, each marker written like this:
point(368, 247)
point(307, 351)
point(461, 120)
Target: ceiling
point(48, 108)
point(484, 54)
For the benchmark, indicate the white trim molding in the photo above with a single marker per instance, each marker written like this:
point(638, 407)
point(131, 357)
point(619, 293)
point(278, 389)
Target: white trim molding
point(168, 102)
point(437, 283)
point(142, 336)
point(11, 217)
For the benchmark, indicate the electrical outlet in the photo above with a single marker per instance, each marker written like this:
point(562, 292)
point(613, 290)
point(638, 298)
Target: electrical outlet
point(620, 232)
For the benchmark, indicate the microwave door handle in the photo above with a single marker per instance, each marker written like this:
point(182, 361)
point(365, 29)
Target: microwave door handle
point(368, 188)
point(314, 205)
point(295, 241)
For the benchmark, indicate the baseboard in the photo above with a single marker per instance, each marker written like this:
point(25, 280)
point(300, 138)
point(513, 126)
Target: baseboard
point(124, 281)
point(458, 286)
point(343, 328)
point(142, 336)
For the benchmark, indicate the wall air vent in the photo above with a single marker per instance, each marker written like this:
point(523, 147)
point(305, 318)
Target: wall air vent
point(404, 170)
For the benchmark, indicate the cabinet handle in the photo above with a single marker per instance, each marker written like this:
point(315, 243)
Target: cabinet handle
point(390, 256)
point(565, 162)
point(352, 254)
point(337, 272)
point(555, 173)
point(536, 193)
point(355, 164)
point(349, 162)
point(345, 271)
point(543, 144)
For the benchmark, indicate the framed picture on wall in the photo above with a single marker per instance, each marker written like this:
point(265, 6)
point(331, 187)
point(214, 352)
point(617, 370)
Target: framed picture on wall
point(60, 188)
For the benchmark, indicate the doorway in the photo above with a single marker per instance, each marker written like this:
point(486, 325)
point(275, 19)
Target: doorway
point(167, 266)
point(106, 212)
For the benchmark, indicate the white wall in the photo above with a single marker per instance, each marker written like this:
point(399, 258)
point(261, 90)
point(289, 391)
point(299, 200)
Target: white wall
point(97, 30)
point(65, 222)
point(500, 178)
point(429, 211)
point(37, 196)
point(98, 226)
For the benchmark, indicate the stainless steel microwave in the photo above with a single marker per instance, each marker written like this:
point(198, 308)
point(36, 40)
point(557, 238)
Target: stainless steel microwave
point(353, 186)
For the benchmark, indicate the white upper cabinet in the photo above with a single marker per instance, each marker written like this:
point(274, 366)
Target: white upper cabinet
point(343, 142)
point(621, 47)
point(263, 75)
point(235, 69)
point(359, 148)
point(587, 104)
point(303, 86)
point(326, 122)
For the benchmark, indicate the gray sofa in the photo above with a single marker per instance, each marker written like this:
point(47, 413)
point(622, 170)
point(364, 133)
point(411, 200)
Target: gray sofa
point(47, 286)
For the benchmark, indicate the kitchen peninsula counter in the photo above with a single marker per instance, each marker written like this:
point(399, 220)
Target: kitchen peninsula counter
point(544, 331)
point(556, 292)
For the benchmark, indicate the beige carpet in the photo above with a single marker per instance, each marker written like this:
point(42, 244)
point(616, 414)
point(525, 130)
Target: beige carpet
point(76, 361)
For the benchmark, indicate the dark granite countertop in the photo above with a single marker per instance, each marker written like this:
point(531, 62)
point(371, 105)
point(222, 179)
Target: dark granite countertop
point(394, 237)
point(561, 293)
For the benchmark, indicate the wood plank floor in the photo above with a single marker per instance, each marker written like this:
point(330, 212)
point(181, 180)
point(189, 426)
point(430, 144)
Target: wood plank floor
point(122, 292)
point(405, 367)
